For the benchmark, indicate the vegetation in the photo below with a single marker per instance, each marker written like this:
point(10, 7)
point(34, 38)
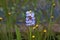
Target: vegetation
point(13, 9)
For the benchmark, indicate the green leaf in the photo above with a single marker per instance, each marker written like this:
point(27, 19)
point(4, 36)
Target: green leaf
point(18, 34)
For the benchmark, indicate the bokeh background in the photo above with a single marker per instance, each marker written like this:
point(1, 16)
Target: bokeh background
point(13, 14)
point(20, 7)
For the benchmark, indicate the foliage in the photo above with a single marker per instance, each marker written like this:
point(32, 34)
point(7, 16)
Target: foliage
point(15, 8)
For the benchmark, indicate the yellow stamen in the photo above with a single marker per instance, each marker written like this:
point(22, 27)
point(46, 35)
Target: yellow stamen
point(1, 18)
point(53, 4)
point(33, 36)
point(52, 16)
point(37, 25)
point(34, 27)
point(30, 11)
point(45, 30)
point(9, 13)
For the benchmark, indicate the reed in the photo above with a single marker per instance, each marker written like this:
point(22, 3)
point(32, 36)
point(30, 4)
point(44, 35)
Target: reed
point(33, 33)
